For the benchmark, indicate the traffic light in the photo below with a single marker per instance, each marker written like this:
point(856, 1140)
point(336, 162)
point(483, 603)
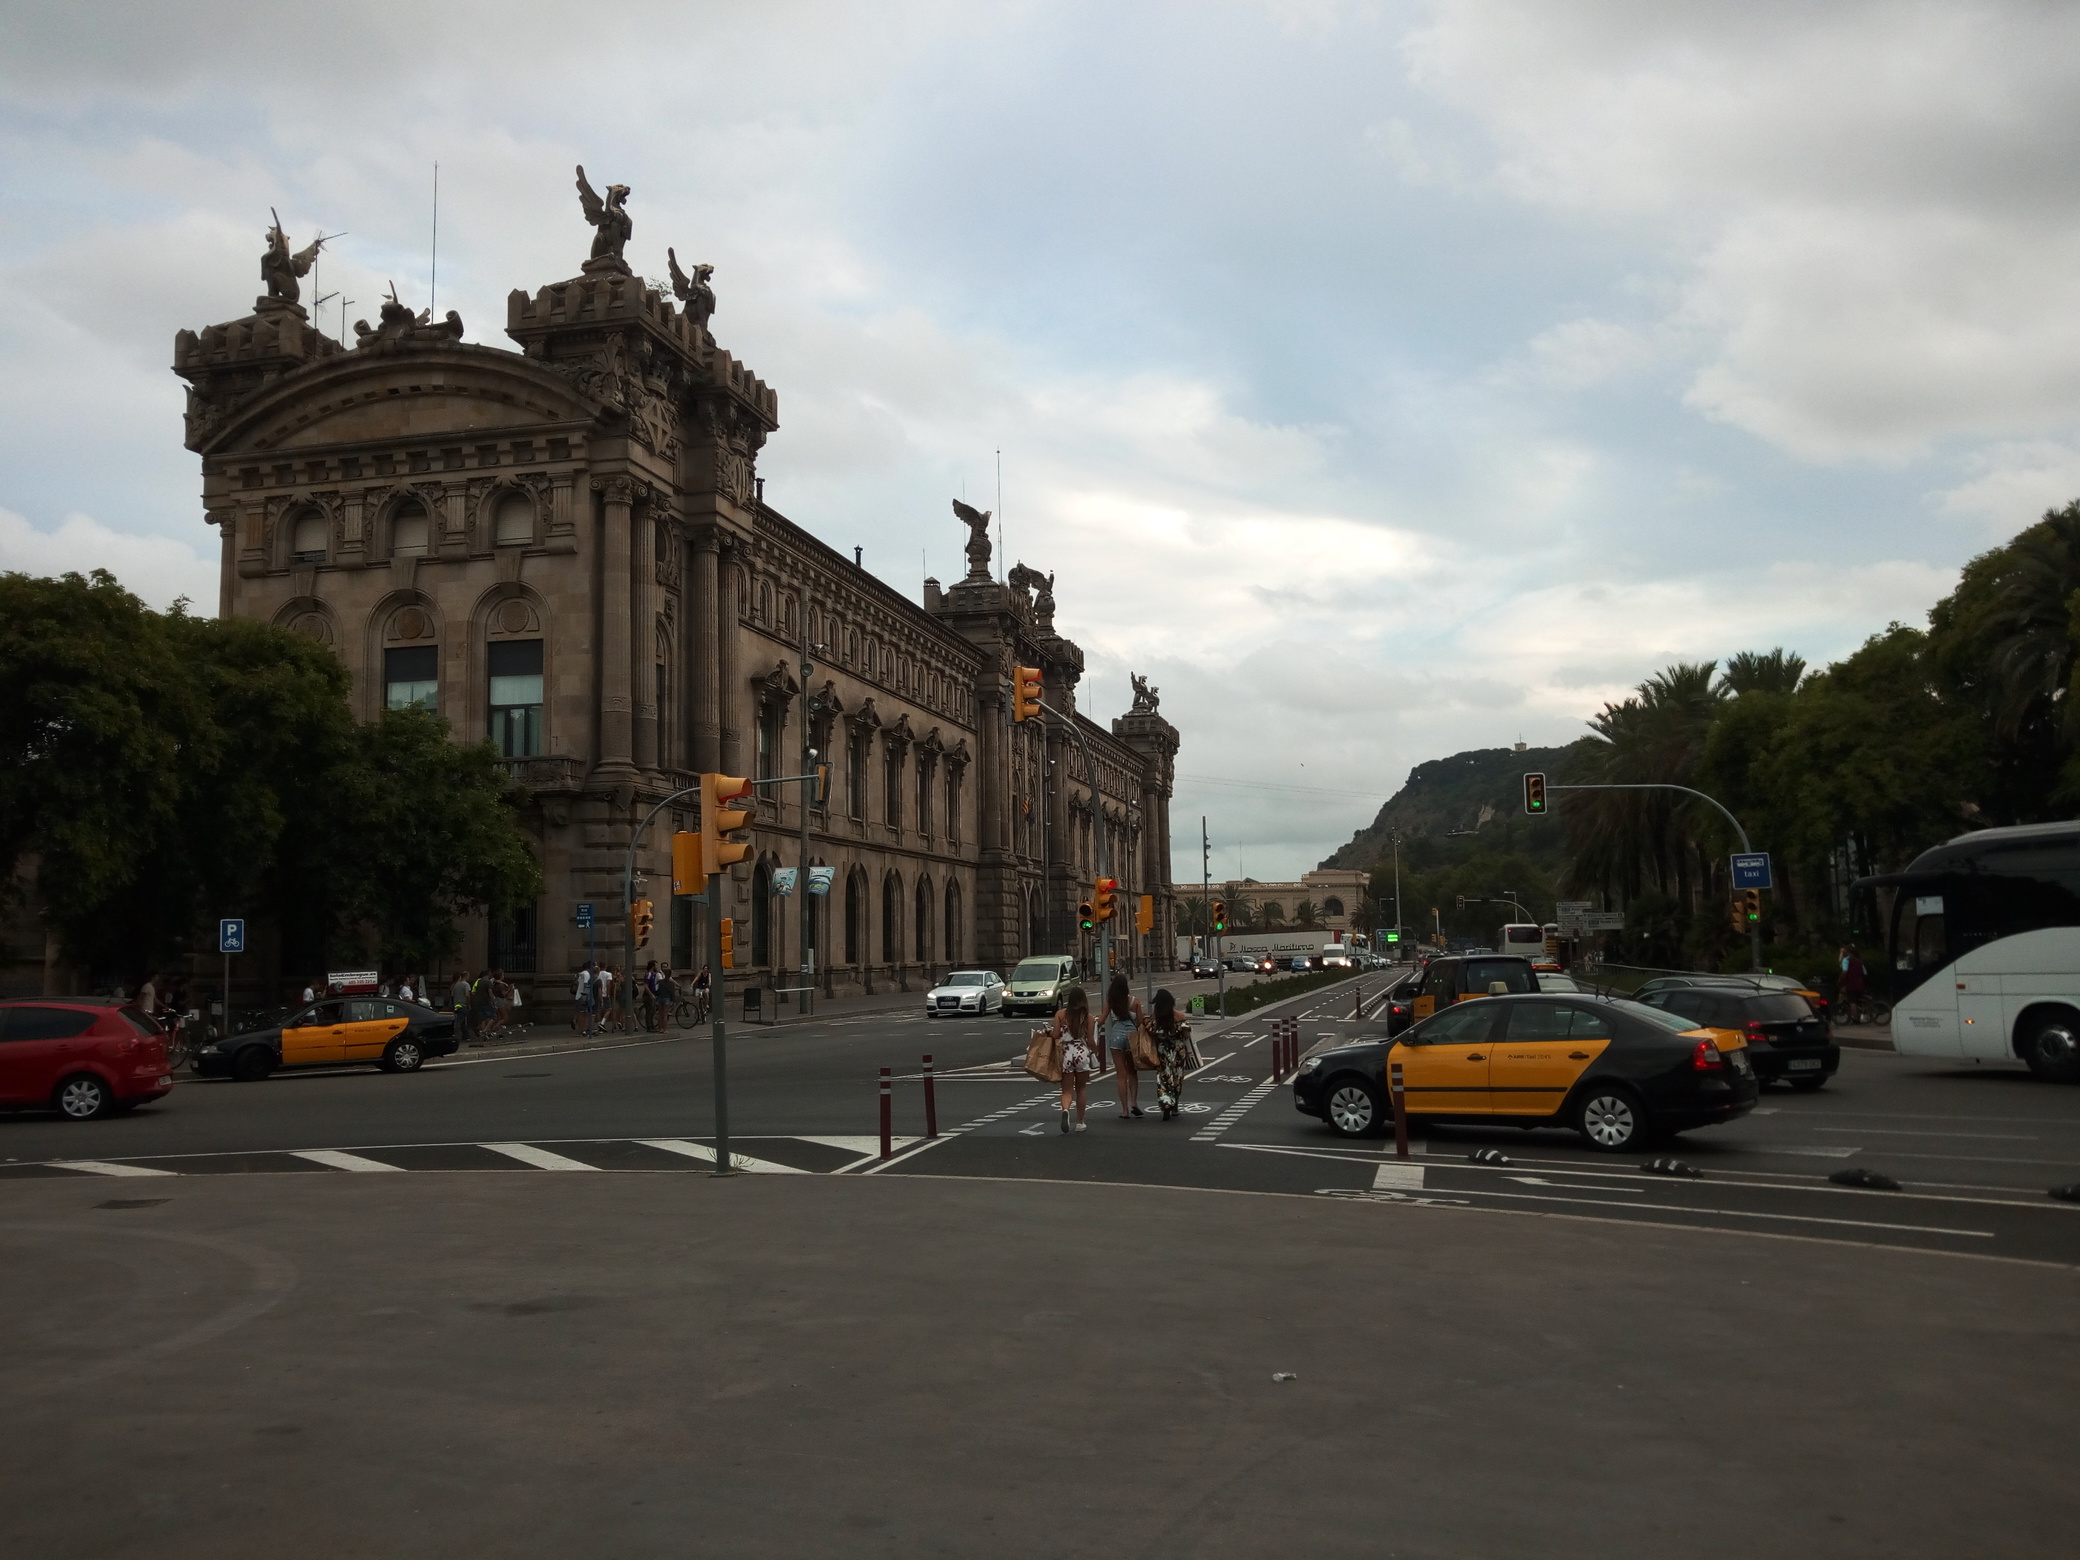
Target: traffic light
point(1736, 912)
point(1145, 917)
point(1085, 921)
point(823, 784)
point(687, 876)
point(1220, 915)
point(1025, 693)
point(1393, 936)
point(1535, 793)
point(1102, 901)
point(729, 943)
point(1750, 901)
point(1462, 901)
point(643, 913)
point(717, 821)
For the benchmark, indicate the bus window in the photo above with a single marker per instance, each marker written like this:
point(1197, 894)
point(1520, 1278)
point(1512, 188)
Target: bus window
point(1929, 947)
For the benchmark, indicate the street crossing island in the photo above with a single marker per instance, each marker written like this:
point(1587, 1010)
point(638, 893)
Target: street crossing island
point(565, 550)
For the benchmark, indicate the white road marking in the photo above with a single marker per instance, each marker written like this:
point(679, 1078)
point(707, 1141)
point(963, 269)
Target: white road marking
point(1732, 1213)
point(703, 1152)
point(102, 1167)
point(1234, 1113)
point(1397, 1177)
point(339, 1159)
point(1571, 1186)
point(1812, 1151)
point(540, 1158)
point(869, 1144)
point(1991, 1137)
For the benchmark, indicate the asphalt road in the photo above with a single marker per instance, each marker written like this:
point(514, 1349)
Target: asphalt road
point(1975, 1147)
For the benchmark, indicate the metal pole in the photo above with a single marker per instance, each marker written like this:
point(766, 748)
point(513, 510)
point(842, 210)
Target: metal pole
point(810, 706)
point(887, 1118)
point(1754, 932)
point(1400, 1111)
point(1098, 825)
point(931, 1102)
point(715, 987)
point(628, 899)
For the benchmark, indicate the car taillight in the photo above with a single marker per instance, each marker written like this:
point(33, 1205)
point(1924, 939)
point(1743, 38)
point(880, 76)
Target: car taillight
point(1756, 1036)
point(1705, 1057)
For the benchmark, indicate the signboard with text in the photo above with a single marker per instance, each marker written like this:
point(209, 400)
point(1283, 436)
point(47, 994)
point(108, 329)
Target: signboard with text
point(1752, 871)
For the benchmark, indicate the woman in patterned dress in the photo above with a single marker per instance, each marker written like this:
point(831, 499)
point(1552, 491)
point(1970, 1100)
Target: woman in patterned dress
point(1173, 1042)
point(1072, 1024)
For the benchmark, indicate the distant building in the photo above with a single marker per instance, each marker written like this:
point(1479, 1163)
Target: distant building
point(1336, 893)
point(565, 550)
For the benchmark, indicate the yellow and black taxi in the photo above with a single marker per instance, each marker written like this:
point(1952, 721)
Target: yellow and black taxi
point(335, 1032)
point(1617, 1072)
point(1455, 978)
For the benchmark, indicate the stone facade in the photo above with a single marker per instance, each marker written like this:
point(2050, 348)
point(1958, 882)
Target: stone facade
point(1335, 892)
point(565, 550)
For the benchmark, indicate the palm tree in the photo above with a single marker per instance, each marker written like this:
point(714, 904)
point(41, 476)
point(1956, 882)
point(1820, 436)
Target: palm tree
point(1762, 671)
point(2033, 631)
point(1306, 912)
point(1274, 913)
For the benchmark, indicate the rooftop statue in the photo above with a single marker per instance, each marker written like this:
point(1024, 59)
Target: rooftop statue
point(693, 291)
point(1145, 700)
point(977, 522)
point(611, 222)
point(279, 268)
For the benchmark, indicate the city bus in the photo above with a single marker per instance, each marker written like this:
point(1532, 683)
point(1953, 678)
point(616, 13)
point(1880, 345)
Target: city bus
point(1980, 941)
point(1528, 941)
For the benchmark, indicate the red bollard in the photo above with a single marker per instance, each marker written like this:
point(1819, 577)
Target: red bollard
point(1400, 1110)
point(1358, 1011)
point(931, 1102)
point(887, 1117)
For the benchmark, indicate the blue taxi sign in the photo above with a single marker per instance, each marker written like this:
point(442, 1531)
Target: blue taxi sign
point(1751, 871)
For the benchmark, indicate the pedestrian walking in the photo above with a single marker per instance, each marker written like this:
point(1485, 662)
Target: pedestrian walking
point(481, 1004)
point(458, 998)
point(1173, 1040)
point(147, 999)
point(1123, 1016)
point(652, 984)
point(586, 994)
point(1072, 1025)
point(501, 1002)
point(311, 988)
point(404, 990)
point(603, 995)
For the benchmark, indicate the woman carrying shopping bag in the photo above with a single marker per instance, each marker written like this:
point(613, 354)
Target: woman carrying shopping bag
point(1174, 1054)
point(1072, 1026)
point(1123, 1016)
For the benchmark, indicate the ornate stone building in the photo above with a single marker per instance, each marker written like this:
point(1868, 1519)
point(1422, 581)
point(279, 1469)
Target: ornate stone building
point(566, 551)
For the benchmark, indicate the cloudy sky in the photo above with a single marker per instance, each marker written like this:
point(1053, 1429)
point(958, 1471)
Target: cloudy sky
point(1381, 380)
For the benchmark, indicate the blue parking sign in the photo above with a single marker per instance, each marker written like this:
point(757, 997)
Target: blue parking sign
point(231, 936)
point(584, 916)
point(1752, 871)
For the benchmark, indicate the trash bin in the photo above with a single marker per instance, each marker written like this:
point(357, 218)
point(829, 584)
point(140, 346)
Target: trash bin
point(754, 998)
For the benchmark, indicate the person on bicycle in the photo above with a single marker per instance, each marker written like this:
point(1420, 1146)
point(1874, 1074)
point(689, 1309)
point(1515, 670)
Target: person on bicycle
point(703, 994)
point(1849, 988)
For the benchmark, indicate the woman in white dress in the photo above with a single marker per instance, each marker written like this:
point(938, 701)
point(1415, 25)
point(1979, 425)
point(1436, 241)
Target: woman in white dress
point(1072, 1025)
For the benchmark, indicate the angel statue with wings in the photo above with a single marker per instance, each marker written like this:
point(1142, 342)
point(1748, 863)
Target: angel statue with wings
point(279, 268)
point(977, 522)
point(693, 291)
point(610, 221)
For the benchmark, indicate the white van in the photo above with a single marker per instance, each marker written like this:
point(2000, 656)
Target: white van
point(1040, 984)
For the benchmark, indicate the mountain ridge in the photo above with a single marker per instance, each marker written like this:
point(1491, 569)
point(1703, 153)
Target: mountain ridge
point(1459, 793)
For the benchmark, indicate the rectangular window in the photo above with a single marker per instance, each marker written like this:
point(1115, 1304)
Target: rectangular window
point(953, 806)
point(924, 798)
point(516, 697)
point(892, 794)
point(513, 939)
point(856, 777)
point(768, 740)
point(412, 678)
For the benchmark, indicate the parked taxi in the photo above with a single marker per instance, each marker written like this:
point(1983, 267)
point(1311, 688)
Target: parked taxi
point(1617, 1072)
point(338, 1031)
point(1452, 979)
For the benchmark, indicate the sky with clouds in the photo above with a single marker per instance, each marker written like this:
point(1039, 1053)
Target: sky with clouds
point(1380, 380)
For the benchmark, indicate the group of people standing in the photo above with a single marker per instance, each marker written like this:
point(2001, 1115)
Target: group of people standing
point(1116, 1028)
point(657, 996)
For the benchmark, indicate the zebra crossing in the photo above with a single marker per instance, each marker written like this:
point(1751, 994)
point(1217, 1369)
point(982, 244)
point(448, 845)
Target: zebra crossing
point(1213, 1129)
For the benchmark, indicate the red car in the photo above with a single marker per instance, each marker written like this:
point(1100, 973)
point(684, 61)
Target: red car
point(81, 1056)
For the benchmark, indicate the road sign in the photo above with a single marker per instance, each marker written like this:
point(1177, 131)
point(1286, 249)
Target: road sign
point(1752, 871)
point(1603, 921)
point(231, 936)
point(585, 917)
point(1565, 910)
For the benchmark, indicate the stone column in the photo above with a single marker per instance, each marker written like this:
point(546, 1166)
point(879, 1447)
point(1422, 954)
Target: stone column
point(989, 804)
point(730, 700)
point(616, 711)
point(703, 645)
point(642, 613)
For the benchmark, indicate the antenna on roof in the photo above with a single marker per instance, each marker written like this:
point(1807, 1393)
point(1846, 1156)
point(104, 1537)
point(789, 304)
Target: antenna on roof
point(433, 286)
point(1003, 557)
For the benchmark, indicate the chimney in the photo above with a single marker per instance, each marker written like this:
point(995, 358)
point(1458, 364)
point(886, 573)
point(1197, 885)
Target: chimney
point(931, 595)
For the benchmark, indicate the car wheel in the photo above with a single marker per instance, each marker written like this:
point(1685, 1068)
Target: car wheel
point(2052, 1048)
point(1808, 1085)
point(1612, 1119)
point(403, 1055)
point(83, 1097)
point(252, 1064)
point(1352, 1108)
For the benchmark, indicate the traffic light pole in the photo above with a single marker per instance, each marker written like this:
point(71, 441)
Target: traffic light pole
point(1090, 769)
point(626, 998)
point(719, 1029)
point(1754, 932)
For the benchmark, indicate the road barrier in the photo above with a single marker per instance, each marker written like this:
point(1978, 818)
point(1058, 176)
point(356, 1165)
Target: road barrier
point(931, 1102)
point(887, 1117)
point(1399, 1104)
point(1285, 1048)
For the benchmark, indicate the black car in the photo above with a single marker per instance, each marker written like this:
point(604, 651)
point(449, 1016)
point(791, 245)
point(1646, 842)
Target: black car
point(1617, 1072)
point(337, 1031)
point(1787, 1042)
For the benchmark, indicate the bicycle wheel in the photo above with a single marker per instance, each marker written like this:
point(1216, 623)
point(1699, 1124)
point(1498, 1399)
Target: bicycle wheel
point(683, 1014)
point(1877, 1014)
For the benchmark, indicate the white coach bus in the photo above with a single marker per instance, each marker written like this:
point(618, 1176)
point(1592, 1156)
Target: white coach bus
point(1981, 940)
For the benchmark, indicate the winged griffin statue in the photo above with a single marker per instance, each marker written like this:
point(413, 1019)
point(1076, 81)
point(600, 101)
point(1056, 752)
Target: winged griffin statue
point(279, 269)
point(977, 522)
point(610, 221)
point(693, 291)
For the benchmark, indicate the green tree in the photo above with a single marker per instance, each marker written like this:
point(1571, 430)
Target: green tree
point(1272, 913)
point(1306, 913)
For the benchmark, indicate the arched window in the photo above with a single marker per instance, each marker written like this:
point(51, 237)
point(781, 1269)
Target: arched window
point(307, 539)
point(408, 530)
point(923, 942)
point(855, 918)
point(761, 916)
point(952, 923)
point(764, 611)
point(513, 522)
point(1332, 907)
point(891, 919)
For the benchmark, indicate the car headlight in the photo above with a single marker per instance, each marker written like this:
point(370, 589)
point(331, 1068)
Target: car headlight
point(1311, 1064)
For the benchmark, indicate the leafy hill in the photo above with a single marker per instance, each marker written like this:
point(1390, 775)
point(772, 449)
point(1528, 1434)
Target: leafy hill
point(1480, 790)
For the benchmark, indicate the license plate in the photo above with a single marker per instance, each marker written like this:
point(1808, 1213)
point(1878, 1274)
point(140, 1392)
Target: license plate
point(1805, 1066)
